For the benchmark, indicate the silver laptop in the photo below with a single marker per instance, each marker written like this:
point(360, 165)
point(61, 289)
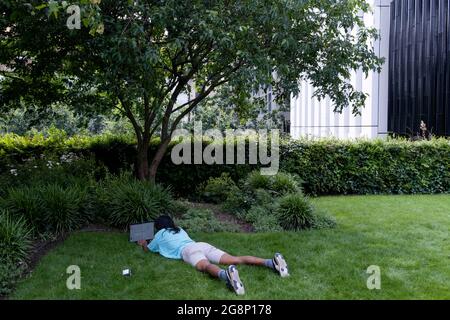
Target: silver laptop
point(142, 231)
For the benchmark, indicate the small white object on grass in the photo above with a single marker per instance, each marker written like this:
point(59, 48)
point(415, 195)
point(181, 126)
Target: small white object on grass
point(126, 272)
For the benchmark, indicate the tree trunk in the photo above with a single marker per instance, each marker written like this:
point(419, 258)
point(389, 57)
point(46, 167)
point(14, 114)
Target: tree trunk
point(157, 159)
point(142, 171)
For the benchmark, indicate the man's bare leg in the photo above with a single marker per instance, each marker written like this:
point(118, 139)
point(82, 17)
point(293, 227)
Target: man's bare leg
point(208, 267)
point(277, 263)
point(231, 275)
point(229, 259)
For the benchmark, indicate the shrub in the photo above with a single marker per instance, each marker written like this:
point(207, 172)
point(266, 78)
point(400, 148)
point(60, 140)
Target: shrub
point(15, 244)
point(255, 180)
point(263, 217)
point(295, 212)
point(217, 189)
point(10, 273)
point(284, 183)
point(258, 212)
point(67, 170)
point(278, 184)
point(323, 221)
point(237, 201)
point(258, 189)
point(203, 220)
point(267, 223)
point(63, 208)
point(256, 201)
point(25, 203)
point(126, 200)
point(370, 166)
point(262, 197)
point(178, 207)
point(49, 208)
point(14, 238)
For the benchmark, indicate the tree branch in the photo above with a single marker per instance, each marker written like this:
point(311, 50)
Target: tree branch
point(195, 102)
point(129, 115)
point(218, 75)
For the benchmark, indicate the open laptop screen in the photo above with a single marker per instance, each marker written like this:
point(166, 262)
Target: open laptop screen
point(143, 231)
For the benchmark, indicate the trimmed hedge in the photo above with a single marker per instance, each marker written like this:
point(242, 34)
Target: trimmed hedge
point(117, 153)
point(369, 166)
point(326, 166)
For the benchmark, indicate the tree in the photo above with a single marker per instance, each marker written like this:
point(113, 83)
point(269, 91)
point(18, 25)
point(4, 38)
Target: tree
point(139, 56)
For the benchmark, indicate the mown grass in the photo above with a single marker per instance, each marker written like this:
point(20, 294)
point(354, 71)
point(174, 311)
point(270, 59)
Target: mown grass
point(408, 237)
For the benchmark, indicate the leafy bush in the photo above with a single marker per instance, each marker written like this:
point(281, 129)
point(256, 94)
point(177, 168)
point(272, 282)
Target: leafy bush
point(262, 215)
point(237, 201)
point(15, 244)
point(242, 199)
point(370, 166)
point(255, 180)
point(284, 183)
point(49, 208)
point(66, 171)
point(266, 211)
point(262, 197)
point(324, 221)
point(295, 212)
point(203, 220)
point(14, 238)
point(178, 207)
point(10, 274)
point(267, 223)
point(25, 203)
point(125, 200)
point(217, 189)
point(258, 212)
point(278, 184)
point(63, 207)
point(118, 201)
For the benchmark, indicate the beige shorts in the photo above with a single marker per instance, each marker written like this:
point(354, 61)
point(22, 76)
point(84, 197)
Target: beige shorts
point(197, 251)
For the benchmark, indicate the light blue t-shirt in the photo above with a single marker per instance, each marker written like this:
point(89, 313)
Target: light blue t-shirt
point(170, 244)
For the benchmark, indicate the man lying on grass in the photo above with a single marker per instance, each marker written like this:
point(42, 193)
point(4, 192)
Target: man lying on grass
point(174, 243)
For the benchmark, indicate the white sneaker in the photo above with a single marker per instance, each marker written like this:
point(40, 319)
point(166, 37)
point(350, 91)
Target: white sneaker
point(280, 265)
point(234, 281)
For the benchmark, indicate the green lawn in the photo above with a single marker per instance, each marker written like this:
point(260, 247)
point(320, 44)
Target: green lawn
point(407, 236)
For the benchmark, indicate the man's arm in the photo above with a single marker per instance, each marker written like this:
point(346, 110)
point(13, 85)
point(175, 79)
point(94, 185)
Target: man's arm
point(143, 244)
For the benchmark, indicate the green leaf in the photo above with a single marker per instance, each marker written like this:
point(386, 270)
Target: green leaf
point(53, 8)
point(85, 22)
point(41, 6)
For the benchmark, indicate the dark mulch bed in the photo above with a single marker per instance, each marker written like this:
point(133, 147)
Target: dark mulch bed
point(41, 248)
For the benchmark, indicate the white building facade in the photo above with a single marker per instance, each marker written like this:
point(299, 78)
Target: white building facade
point(310, 117)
